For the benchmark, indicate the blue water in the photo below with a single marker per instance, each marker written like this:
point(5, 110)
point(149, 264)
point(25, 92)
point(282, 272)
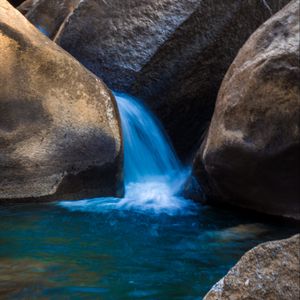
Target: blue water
point(49, 252)
point(152, 244)
point(147, 151)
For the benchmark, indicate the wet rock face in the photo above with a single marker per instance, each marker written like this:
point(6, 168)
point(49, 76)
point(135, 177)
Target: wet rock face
point(48, 15)
point(173, 54)
point(59, 127)
point(268, 271)
point(250, 156)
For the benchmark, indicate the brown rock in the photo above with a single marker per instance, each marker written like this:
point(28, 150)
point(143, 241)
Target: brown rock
point(171, 53)
point(250, 157)
point(59, 126)
point(269, 271)
point(49, 15)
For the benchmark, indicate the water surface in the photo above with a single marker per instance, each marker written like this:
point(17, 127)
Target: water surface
point(50, 252)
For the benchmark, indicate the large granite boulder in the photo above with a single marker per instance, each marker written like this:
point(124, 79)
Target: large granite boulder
point(250, 156)
point(171, 53)
point(269, 271)
point(59, 126)
point(48, 15)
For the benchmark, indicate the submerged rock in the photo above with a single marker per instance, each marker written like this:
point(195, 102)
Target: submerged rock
point(250, 157)
point(268, 271)
point(49, 15)
point(243, 232)
point(59, 126)
point(171, 53)
point(22, 276)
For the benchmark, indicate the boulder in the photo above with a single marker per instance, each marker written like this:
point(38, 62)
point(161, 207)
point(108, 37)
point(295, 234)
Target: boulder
point(60, 136)
point(250, 156)
point(48, 15)
point(269, 271)
point(173, 54)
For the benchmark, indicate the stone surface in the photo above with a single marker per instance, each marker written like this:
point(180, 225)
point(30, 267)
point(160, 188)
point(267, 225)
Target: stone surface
point(269, 271)
point(59, 126)
point(250, 157)
point(49, 15)
point(171, 53)
point(26, 6)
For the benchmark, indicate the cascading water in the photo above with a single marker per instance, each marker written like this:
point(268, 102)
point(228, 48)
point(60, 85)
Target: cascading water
point(147, 153)
point(153, 175)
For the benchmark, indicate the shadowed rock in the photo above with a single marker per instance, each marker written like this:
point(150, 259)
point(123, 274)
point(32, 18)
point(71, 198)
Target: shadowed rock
point(48, 15)
point(59, 126)
point(268, 271)
point(173, 54)
point(250, 157)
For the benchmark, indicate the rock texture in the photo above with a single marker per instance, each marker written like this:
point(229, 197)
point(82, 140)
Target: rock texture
point(26, 6)
point(48, 15)
point(269, 271)
point(171, 53)
point(250, 156)
point(59, 127)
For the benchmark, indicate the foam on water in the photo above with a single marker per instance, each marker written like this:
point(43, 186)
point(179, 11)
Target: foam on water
point(153, 174)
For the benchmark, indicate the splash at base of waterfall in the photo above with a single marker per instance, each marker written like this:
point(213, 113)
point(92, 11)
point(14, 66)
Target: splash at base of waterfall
point(153, 175)
point(154, 196)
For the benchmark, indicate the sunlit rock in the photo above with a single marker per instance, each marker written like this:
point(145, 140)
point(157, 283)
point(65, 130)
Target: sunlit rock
point(59, 126)
point(268, 271)
point(250, 156)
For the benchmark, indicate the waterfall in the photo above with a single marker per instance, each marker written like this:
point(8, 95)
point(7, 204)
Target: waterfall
point(153, 175)
point(147, 152)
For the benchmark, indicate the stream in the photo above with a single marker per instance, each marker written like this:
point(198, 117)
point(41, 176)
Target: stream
point(151, 244)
